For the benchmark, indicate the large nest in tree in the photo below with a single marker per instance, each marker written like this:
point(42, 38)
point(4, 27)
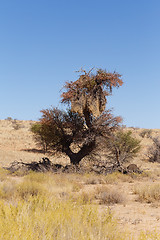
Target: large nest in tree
point(94, 102)
point(89, 92)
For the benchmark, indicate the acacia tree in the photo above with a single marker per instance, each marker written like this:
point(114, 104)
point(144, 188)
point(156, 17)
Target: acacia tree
point(78, 131)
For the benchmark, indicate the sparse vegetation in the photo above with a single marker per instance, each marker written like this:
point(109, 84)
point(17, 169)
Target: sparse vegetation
point(150, 235)
point(9, 119)
point(154, 150)
point(146, 133)
point(3, 174)
point(63, 220)
point(108, 196)
point(16, 125)
point(69, 209)
point(148, 193)
point(31, 210)
point(116, 177)
point(7, 190)
point(123, 147)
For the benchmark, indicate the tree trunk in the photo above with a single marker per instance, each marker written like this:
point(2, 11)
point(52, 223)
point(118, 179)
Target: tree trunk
point(75, 158)
point(117, 157)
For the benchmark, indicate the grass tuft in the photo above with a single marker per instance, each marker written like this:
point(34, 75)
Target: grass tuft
point(148, 193)
point(107, 195)
point(3, 174)
point(116, 177)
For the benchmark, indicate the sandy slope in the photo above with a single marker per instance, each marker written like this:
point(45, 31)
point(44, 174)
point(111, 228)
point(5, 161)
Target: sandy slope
point(13, 143)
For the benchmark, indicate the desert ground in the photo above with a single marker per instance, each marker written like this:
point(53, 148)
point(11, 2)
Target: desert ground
point(134, 213)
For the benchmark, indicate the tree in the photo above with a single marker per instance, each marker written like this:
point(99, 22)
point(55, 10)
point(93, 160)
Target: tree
point(78, 131)
point(123, 147)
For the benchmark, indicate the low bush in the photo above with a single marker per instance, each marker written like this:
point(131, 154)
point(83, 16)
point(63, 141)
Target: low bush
point(38, 177)
point(85, 197)
point(148, 193)
point(116, 177)
point(93, 179)
point(7, 190)
point(16, 125)
point(146, 133)
point(29, 188)
point(154, 151)
point(107, 195)
point(3, 174)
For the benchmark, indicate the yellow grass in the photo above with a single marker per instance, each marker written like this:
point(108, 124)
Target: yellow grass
point(108, 195)
point(43, 218)
point(148, 193)
point(30, 208)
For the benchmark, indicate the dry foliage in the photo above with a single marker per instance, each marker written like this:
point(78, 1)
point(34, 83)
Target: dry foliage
point(148, 193)
point(154, 150)
point(108, 195)
point(90, 90)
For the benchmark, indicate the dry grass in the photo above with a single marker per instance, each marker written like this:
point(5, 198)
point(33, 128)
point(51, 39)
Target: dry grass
point(111, 178)
point(35, 184)
point(93, 179)
point(3, 174)
point(117, 177)
point(148, 193)
point(27, 189)
point(30, 210)
point(7, 189)
point(43, 218)
point(149, 235)
point(84, 197)
point(46, 206)
point(108, 195)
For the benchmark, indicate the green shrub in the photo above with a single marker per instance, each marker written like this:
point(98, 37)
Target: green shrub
point(123, 147)
point(42, 135)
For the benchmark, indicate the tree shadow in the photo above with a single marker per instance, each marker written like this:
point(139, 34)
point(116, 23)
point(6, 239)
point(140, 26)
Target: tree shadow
point(33, 150)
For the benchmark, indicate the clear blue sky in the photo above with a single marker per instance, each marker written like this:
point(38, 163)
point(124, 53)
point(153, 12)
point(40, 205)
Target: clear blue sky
point(43, 43)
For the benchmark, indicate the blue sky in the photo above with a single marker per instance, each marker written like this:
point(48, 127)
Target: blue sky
point(43, 43)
